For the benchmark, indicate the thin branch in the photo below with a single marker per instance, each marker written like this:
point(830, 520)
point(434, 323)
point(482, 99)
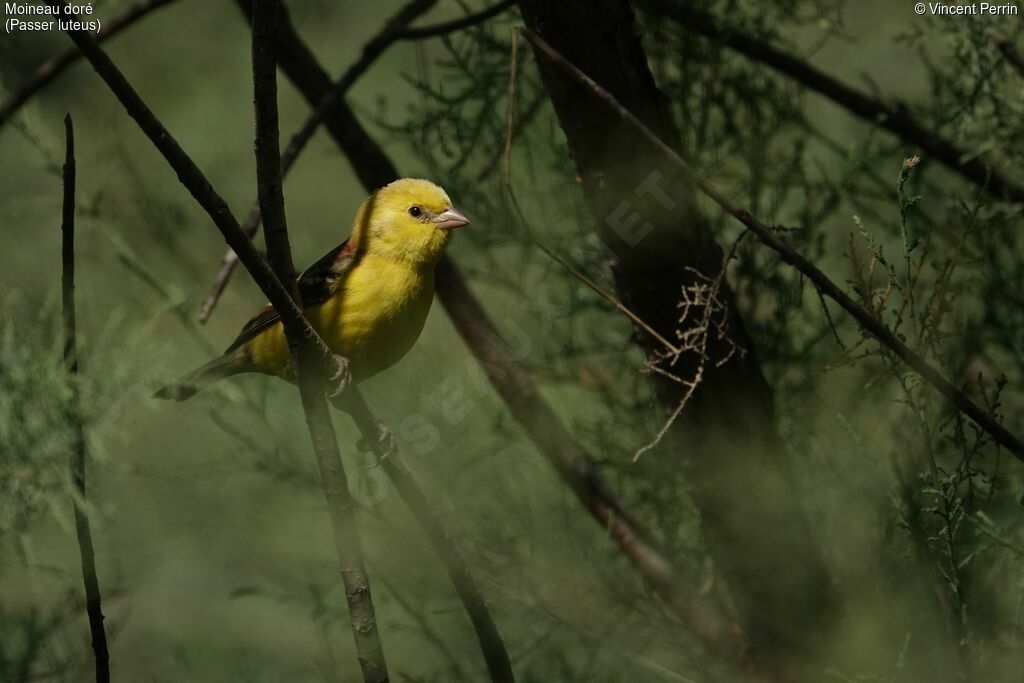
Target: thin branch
point(77, 460)
point(702, 295)
point(333, 478)
point(454, 25)
point(603, 293)
point(270, 194)
point(518, 125)
point(54, 67)
point(513, 384)
point(868, 322)
point(330, 99)
point(895, 118)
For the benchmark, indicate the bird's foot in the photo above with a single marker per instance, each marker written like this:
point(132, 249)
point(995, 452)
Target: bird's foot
point(340, 377)
point(385, 445)
point(386, 439)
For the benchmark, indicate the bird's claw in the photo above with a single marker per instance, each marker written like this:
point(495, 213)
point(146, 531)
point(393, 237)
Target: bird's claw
point(340, 377)
point(386, 439)
point(386, 443)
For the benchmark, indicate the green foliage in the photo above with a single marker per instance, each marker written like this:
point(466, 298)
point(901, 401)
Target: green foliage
point(36, 427)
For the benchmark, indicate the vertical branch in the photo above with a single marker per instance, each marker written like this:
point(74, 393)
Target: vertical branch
point(67, 251)
point(78, 455)
point(314, 403)
point(267, 145)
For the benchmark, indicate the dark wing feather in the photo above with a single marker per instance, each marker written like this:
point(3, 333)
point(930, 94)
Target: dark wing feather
point(316, 284)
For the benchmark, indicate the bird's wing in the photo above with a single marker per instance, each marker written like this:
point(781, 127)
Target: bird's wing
point(316, 284)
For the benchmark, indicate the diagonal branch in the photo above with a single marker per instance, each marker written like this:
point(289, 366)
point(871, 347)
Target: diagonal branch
point(363, 619)
point(87, 554)
point(512, 383)
point(895, 118)
point(54, 67)
point(868, 322)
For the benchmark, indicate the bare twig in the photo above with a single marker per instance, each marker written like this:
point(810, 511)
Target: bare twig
point(603, 293)
point(330, 99)
point(518, 124)
point(267, 145)
point(77, 460)
point(333, 478)
point(699, 300)
point(708, 621)
point(868, 322)
point(49, 71)
point(448, 27)
point(895, 118)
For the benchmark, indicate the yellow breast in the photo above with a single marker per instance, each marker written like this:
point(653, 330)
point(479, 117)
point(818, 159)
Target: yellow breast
point(373, 319)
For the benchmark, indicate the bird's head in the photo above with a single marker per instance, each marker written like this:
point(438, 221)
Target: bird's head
point(409, 219)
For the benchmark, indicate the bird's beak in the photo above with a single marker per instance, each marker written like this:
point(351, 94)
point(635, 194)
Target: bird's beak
point(450, 219)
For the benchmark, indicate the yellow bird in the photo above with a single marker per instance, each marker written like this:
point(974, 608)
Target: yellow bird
point(368, 298)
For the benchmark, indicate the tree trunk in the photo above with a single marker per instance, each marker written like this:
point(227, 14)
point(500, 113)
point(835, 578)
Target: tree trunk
point(726, 439)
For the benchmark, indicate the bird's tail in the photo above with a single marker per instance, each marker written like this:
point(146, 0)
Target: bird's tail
point(200, 378)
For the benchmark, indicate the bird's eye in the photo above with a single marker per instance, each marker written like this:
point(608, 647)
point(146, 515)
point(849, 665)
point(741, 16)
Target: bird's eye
point(415, 211)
